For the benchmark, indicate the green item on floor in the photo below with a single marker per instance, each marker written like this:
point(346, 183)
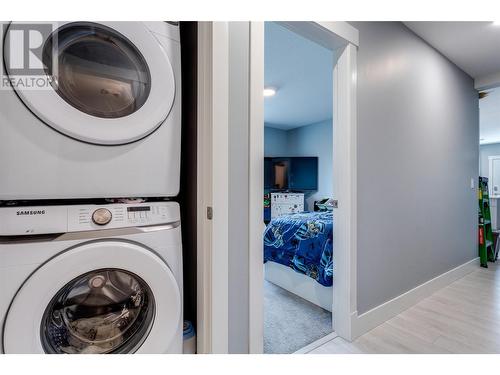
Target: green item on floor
point(486, 248)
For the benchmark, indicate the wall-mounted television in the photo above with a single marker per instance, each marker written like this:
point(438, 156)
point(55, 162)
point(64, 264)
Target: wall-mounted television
point(291, 173)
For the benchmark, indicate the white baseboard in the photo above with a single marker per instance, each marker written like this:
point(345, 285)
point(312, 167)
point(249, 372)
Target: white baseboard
point(380, 314)
point(316, 344)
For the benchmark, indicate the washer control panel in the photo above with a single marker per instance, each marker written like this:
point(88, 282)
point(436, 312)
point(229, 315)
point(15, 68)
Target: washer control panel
point(120, 215)
point(16, 221)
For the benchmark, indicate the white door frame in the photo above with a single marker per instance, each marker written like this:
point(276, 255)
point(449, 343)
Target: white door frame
point(256, 189)
point(213, 109)
point(344, 165)
point(212, 189)
point(345, 186)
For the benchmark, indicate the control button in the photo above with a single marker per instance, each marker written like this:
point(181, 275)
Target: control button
point(102, 216)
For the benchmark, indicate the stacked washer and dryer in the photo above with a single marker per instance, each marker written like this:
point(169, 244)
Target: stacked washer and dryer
point(93, 276)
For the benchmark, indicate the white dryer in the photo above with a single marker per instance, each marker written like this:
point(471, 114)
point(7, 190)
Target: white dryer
point(91, 279)
point(109, 123)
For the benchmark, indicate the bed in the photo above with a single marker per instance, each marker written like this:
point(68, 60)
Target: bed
point(298, 255)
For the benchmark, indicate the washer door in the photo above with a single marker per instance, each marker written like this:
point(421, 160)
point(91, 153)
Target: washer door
point(112, 82)
point(99, 297)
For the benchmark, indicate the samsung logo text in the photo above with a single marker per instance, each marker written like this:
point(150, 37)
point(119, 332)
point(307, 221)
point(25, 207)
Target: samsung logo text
point(31, 212)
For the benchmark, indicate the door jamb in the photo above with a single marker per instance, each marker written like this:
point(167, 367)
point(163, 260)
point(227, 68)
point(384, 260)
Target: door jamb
point(212, 189)
point(256, 189)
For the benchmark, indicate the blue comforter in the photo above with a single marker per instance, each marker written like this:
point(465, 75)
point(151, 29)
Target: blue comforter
point(302, 242)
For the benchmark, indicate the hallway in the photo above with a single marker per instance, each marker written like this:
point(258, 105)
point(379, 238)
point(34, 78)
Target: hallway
point(461, 318)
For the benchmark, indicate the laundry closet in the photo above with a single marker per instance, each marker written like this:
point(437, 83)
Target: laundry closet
point(98, 167)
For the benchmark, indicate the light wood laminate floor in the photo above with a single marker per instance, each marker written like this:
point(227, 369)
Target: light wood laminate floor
point(463, 318)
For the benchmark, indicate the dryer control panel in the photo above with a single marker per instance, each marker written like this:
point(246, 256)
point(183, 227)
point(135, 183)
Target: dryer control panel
point(18, 221)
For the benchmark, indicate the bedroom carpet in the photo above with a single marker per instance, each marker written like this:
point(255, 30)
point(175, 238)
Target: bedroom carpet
point(291, 322)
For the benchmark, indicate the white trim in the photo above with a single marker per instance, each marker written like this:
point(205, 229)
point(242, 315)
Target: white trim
point(256, 189)
point(316, 31)
point(345, 190)
point(380, 314)
point(220, 186)
point(212, 190)
point(343, 29)
point(316, 344)
point(487, 82)
point(204, 188)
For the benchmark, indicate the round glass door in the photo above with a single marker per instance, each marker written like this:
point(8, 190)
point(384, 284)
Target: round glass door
point(110, 83)
point(98, 70)
point(103, 311)
point(104, 296)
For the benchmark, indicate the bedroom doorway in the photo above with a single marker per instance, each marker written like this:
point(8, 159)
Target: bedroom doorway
point(214, 108)
point(285, 171)
point(298, 190)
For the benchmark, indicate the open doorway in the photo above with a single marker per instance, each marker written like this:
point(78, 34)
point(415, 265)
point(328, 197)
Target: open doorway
point(298, 190)
point(489, 172)
point(342, 40)
point(213, 109)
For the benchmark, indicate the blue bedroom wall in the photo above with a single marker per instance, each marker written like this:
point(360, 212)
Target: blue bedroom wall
point(298, 118)
point(275, 142)
point(310, 140)
point(315, 140)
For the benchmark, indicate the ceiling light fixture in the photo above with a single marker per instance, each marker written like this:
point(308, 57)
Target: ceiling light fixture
point(269, 91)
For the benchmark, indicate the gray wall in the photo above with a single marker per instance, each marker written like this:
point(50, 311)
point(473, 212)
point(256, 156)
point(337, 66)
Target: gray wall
point(484, 152)
point(418, 149)
point(239, 55)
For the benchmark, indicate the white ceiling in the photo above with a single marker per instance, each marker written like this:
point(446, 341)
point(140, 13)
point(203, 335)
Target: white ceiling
point(304, 95)
point(302, 73)
point(473, 46)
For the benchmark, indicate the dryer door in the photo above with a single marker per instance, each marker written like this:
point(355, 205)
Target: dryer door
point(110, 83)
point(99, 297)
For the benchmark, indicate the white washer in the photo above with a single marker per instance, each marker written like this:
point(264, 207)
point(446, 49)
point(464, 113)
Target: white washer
point(109, 123)
point(91, 279)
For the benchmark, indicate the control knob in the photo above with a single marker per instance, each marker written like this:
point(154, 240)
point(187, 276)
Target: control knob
point(102, 216)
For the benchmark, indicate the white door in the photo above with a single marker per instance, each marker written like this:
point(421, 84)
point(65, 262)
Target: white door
point(102, 296)
point(112, 82)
